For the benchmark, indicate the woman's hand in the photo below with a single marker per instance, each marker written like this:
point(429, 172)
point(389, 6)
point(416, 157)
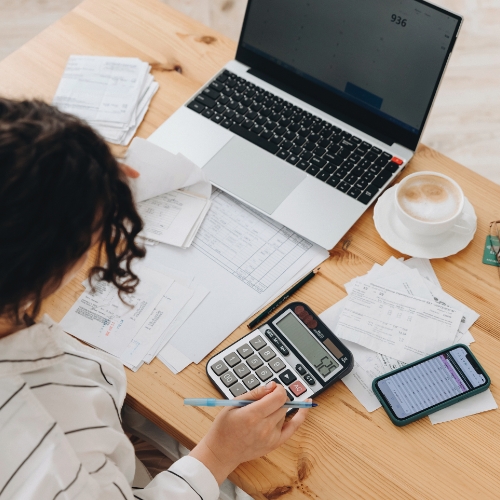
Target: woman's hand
point(129, 171)
point(242, 434)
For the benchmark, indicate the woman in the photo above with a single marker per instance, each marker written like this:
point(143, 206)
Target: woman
point(61, 193)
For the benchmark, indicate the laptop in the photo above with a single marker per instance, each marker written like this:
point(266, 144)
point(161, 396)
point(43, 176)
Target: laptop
point(322, 108)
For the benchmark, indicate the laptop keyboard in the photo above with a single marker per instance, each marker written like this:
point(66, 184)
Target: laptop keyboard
point(330, 154)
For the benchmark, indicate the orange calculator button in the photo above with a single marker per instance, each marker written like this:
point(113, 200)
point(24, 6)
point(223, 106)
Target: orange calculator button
point(399, 161)
point(297, 388)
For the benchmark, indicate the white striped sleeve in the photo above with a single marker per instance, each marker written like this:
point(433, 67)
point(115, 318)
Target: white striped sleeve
point(187, 479)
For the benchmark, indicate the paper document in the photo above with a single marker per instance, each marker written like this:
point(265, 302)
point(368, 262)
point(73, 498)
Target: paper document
point(173, 218)
point(400, 276)
point(162, 172)
point(101, 319)
point(476, 404)
point(169, 306)
point(111, 93)
point(395, 324)
point(244, 259)
point(171, 215)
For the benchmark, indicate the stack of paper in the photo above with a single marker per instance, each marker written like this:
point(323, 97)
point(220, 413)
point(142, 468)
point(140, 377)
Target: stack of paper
point(111, 93)
point(396, 314)
point(243, 258)
point(137, 330)
point(246, 260)
point(173, 194)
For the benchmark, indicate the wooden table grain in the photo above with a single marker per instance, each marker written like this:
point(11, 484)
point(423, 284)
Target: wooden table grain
point(342, 451)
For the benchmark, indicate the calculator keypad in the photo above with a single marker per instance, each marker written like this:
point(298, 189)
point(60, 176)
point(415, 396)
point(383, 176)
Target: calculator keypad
point(264, 373)
point(298, 388)
point(242, 370)
point(255, 362)
point(219, 368)
point(244, 351)
point(229, 379)
point(277, 365)
point(251, 382)
point(258, 343)
point(267, 354)
point(287, 377)
point(232, 359)
point(237, 389)
point(300, 369)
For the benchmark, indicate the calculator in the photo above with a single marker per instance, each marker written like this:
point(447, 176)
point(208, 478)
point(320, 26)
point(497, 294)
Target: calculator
point(294, 348)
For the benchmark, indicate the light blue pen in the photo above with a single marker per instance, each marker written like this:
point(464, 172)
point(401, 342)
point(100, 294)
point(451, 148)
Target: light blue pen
point(239, 403)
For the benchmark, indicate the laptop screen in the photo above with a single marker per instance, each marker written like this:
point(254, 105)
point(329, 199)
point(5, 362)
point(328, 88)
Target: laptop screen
point(386, 56)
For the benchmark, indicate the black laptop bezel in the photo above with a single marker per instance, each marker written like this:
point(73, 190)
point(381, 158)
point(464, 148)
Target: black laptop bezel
point(332, 103)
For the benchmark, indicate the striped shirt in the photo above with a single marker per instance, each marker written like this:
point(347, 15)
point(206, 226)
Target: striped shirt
point(60, 429)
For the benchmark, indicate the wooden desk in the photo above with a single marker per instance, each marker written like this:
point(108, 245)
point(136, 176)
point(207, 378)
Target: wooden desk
point(342, 451)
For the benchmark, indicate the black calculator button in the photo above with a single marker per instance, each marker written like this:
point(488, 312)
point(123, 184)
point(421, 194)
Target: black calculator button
point(267, 354)
point(229, 379)
point(287, 377)
point(270, 335)
point(277, 365)
point(219, 368)
point(290, 397)
point(232, 359)
point(258, 343)
point(309, 379)
point(300, 369)
point(264, 373)
point(244, 351)
point(251, 382)
point(254, 362)
point(237, 389)
point(242, 370)
point(283, 350)
point(276, 341)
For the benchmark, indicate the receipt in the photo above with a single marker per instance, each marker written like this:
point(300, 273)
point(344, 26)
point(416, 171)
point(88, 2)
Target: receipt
point(101, 319)
point(395, 275)
point(395, 324)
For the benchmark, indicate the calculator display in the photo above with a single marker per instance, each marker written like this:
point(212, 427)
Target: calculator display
point(306, 344)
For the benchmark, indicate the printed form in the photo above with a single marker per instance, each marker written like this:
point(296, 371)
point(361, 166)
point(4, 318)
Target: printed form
point(172, 193)
point(395, 324)
point(245, 260)
point(101, 319)
point(247, 244)
point(111, 93)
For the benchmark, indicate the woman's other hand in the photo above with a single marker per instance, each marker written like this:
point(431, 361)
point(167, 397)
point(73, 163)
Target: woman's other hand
point(129, 171)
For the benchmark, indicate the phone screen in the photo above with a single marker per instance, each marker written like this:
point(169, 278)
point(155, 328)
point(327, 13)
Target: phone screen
point(427, 384)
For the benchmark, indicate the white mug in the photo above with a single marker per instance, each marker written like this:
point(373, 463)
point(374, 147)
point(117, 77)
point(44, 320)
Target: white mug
point(458, 223)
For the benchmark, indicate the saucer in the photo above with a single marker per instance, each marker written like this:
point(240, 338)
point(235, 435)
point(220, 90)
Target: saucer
point(399, 237)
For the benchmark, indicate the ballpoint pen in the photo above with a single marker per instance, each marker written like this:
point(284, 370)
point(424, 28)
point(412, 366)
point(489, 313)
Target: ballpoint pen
point(282, 299)
point(240, 403)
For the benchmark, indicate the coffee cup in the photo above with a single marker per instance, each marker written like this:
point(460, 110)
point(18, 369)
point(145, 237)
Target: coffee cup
point(430, 203)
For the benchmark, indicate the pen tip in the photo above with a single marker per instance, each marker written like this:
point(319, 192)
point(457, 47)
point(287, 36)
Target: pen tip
point(314, 404)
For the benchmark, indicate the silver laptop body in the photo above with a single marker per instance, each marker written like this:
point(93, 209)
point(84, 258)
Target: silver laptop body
point(322, 108)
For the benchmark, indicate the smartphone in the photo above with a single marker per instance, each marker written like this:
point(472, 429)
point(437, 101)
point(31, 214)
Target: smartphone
point(430, 384)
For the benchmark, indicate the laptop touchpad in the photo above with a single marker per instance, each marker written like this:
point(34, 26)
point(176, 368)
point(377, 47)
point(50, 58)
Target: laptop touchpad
point(253, 174)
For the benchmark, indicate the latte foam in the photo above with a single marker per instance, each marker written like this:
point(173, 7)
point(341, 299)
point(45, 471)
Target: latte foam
point(429, 198)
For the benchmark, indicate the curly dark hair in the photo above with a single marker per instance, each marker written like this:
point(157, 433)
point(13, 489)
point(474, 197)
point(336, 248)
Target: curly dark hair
point(60, 186)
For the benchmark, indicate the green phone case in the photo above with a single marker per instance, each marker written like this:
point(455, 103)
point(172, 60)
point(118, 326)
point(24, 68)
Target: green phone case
point(406, 421)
